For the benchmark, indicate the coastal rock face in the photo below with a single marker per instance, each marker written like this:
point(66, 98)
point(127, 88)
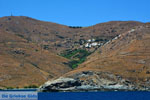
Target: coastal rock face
point(60, 84)
point(89, 81)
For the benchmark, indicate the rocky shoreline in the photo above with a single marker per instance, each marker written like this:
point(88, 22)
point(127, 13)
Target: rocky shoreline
point(90, 81)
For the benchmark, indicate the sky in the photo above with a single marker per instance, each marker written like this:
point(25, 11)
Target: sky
point(78, 12)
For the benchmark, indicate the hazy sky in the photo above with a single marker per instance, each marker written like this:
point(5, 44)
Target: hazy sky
point(78, 12)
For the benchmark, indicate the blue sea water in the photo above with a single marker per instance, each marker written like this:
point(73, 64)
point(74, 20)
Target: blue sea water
point(95, 96)
point(90, 95)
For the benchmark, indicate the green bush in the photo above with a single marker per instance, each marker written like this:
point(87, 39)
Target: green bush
point(9, 88)
point(31, 86)
point(77, 56)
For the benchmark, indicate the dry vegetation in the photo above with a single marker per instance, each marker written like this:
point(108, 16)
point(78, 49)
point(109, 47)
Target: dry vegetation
point(30, 49)
point(127, 56)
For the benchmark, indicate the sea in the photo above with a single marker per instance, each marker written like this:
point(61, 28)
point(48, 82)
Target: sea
point(95, 96)
point(115, 95)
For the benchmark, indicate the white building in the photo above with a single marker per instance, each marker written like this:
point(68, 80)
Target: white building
point(88, 45)
point(93, 40)
point(89, 40)
point(94, 44)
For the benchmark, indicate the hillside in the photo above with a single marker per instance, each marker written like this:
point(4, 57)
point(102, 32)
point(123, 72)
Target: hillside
point(33, 51)
point(24, 64)
point(122, 63)
point(58, 38)
point(127, 55)
point(123, 60)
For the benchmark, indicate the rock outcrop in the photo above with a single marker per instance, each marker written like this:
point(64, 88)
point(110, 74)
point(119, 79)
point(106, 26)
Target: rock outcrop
point(90, 81)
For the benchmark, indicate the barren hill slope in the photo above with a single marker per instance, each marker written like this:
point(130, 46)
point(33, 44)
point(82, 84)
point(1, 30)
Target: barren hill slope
point(124, 60)
point(47, 34)
point(58, 38)
point(29, 48)
point(24, 64)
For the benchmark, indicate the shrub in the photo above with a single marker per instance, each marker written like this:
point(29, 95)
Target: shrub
point(31, 86)
point(77, 56)
point(9, 88)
